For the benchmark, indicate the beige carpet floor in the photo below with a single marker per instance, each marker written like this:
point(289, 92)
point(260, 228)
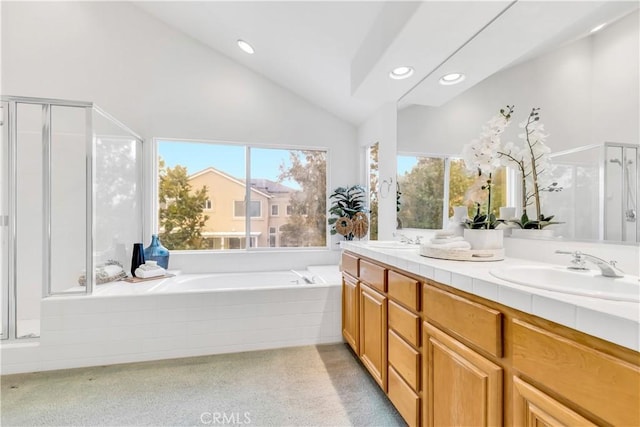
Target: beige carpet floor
point(300, 386)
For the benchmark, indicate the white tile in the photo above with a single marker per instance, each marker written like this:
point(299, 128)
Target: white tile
point(615, 329)
point(485, 289)
point(442, 276)
point(413, 267)
point(554, 310)
point(464, 283)
point(427, 271)
point(515, 298)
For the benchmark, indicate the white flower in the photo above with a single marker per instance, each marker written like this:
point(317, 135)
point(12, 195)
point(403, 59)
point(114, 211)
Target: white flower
point(482, 154)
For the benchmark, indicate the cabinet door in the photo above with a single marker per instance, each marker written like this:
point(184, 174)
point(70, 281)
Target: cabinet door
point(533, 408)
point(373, 333)
point(350, 318)
point(462, 388)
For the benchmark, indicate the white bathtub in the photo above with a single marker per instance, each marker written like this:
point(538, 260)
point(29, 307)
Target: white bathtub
point(318, 275)
point(182, 316)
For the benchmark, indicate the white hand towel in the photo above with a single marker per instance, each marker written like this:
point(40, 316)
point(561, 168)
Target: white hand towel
point(444, 233)
point(145, 274)
point(458, 245)
point(438, 241)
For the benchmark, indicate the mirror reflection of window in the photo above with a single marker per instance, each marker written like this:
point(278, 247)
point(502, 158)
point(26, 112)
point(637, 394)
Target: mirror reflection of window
point(432, 185)
point(373, 190)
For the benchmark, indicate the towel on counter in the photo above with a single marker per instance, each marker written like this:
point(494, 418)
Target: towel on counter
point(105, 273)
point(147, 273)
point(445, 240)
point(457, 245)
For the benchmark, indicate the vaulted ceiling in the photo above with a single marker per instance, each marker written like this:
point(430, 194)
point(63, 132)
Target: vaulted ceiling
point(338, 54)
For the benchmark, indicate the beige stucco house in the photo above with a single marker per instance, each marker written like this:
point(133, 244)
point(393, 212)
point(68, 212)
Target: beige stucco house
point(225, 228)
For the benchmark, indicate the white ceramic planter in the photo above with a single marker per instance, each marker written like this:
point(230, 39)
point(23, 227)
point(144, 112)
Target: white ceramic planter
point(484, 239)
point(522, 233)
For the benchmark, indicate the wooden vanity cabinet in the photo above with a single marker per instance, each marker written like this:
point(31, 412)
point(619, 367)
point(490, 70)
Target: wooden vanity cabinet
point(462, 386)
point(373, 333)
point(446, 357)
point(404, 345)
point(350, 312)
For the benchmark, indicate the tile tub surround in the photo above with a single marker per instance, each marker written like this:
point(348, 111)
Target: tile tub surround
point(91, 331)
point(614, 321)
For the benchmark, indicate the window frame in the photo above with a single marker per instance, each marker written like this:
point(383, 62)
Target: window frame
point(277, 213)
point(150, 183)
point(259, 216)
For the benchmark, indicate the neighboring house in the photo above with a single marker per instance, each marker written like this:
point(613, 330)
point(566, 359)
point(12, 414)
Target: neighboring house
point(225, 227)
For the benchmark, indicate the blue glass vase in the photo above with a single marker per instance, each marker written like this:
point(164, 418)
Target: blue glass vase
point(156, 252)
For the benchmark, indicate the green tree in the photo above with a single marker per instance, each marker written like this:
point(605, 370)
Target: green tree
point(373, 191)
point(307, 224)
point(422, 194)
point(181, 209)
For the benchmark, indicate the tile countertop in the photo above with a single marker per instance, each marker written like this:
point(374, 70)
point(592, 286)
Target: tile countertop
point(614, 321)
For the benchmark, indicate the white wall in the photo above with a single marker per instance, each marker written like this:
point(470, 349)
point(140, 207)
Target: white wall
point(158, 81)
point(381, 127)
point(588, 92)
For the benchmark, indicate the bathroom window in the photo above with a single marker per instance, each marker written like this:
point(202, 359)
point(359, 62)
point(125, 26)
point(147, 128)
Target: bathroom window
point(432, 186)
point(250, 184)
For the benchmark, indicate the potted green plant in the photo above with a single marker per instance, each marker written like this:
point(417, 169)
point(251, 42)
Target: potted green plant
point(348, 212)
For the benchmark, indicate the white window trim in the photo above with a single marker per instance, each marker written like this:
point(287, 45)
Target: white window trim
point(149, 179)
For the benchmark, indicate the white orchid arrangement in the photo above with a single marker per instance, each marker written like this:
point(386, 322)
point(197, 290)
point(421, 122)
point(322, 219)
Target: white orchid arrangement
point(482, 156)
point(532, 160)
point(486, 154)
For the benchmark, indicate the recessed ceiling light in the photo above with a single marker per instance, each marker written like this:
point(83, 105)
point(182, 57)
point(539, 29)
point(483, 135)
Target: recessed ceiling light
point(597, 28)
point(245, 47)
point(400, 73)
point(451, 78)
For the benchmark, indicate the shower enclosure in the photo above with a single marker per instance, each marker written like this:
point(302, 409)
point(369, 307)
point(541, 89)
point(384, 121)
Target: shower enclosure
point(600, 192)
point(70, 199)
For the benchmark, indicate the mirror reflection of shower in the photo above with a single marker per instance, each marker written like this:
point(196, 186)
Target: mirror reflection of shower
point(621, 192)
point(630, 202)
point(600, 195)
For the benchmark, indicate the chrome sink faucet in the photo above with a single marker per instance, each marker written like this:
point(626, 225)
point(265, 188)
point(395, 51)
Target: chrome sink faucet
point(578, 262)
point(408, 240)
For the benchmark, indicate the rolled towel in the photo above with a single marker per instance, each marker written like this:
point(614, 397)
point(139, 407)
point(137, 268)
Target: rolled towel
point(457, 245)
point(444, 233)
point(437, 241)
point(145, 274)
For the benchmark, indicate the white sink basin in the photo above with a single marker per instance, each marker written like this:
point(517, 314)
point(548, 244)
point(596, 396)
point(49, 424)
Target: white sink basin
point(390, 244)
point(560, 279)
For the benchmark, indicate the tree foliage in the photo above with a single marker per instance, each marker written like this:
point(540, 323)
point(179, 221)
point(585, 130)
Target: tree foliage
point(306, 225)
point(422, 194)
point(181, 209)
point(373, 191)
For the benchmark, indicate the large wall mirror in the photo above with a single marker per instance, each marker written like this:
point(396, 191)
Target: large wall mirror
point(587, 86)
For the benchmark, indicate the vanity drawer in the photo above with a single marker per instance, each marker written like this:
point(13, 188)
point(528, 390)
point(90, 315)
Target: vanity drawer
point(473, 322)
point(404, 289)
point(350, 264)
point(406, 401)
point(404, 359)
point(602, 384)
point(373, 275)
point(405, 323)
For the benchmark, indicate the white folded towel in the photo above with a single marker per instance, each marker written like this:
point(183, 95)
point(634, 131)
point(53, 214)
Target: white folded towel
point(444, 240)
point(145, 274)
point(456, 245)
point(444, 233)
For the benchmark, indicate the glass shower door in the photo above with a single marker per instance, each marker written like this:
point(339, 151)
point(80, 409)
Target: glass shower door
point(4, 220)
